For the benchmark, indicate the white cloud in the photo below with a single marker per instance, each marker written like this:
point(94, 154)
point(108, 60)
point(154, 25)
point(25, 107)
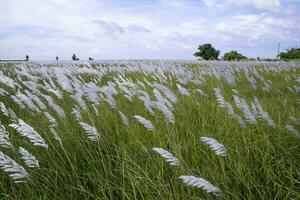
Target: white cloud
point(272, 5)
point(174, 3)
point(274, 21)
point(209, 2)
point(156, 29)
point(257, 28)
point(268, 5)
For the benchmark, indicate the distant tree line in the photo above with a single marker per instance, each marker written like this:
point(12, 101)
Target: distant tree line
point(208, 52)
point(291, 54)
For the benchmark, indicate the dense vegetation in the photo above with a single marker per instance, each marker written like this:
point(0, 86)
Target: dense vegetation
point(291, 54)
point(207, 52)
point(150, 130)
point(233, 56)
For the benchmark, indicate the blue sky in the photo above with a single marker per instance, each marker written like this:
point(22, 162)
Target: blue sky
point(149, 29)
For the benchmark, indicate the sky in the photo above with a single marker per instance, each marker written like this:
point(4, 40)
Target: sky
point(145, 29)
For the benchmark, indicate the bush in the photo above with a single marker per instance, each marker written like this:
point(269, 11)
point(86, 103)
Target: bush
point(293, 53)
point(233, 55)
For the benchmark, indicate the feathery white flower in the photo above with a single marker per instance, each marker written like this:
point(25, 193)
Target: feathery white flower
point(4, 139)
point(7, 81)
point(165, 110)
point(220, 99)
point(166, 91)
point(27, 101)
point(261, 112)
point(28, 158)
point(53, 105)
point(293, 130)
point(36, 99)
point(76, 112)
point(15, 171)
point(224, 104)
point(146, 100)
point(27, 131)
point(243, 106)
point(92, 132)
point(3, 92)
point(146, 123)
point(170, 158)
point(162, 99)
point(51, 119)
point(3, 109)
point(12, 115)
point(78, 97)
point(55, 135)
point(18, 101)
point(294, 120)
point(124, 118)
point(200, 183)
point(201, 92)
point(183, 90)
point(217, 147)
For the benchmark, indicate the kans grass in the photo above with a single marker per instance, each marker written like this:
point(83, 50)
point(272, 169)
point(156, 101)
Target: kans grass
point(150, 130)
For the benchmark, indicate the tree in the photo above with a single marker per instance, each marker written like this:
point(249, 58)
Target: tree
point(233, 55)
point(293, 53)
point(207, 52)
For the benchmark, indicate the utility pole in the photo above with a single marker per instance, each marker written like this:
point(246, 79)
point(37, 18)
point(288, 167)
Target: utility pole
point(278, 50)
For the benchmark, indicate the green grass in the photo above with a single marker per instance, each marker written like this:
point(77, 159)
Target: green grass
point(262, 162)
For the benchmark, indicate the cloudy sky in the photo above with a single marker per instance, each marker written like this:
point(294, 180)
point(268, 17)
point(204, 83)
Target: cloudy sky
point(149, 29)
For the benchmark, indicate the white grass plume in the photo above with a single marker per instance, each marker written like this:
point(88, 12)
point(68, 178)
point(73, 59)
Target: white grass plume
point(27, 131)
point(146, 123)
point(55, 135)
point(217, 147)
point(293, 130)
point(169, 157)
point(27, 101)
point(183, 90)
point(51, 119)
point(243, 106)
point(95, 109)
point(92, 132)
point(166, 91)
point(124, 118)
point(224, 104)
point(4, 139)
point(162, 99)
point(262, 113)
point(28, 158)
point(3, 92)
point(144, 96)
point(294, 120)
point(15, 171)
point(165, 110)
point(200, 183)
point(12, 115)
point(54, 106)
point(201, 92)
point(3, 109)
point(8, 112)
point(76, 112)
point(220, 99)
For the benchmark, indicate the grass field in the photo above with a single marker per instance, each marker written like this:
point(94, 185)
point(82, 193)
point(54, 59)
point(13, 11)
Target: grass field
point(150, 130)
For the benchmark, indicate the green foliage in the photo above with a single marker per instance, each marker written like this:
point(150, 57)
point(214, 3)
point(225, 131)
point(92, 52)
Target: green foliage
point(262, 162)
point(293, 53)
point(233, 55)
point(207, 52)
